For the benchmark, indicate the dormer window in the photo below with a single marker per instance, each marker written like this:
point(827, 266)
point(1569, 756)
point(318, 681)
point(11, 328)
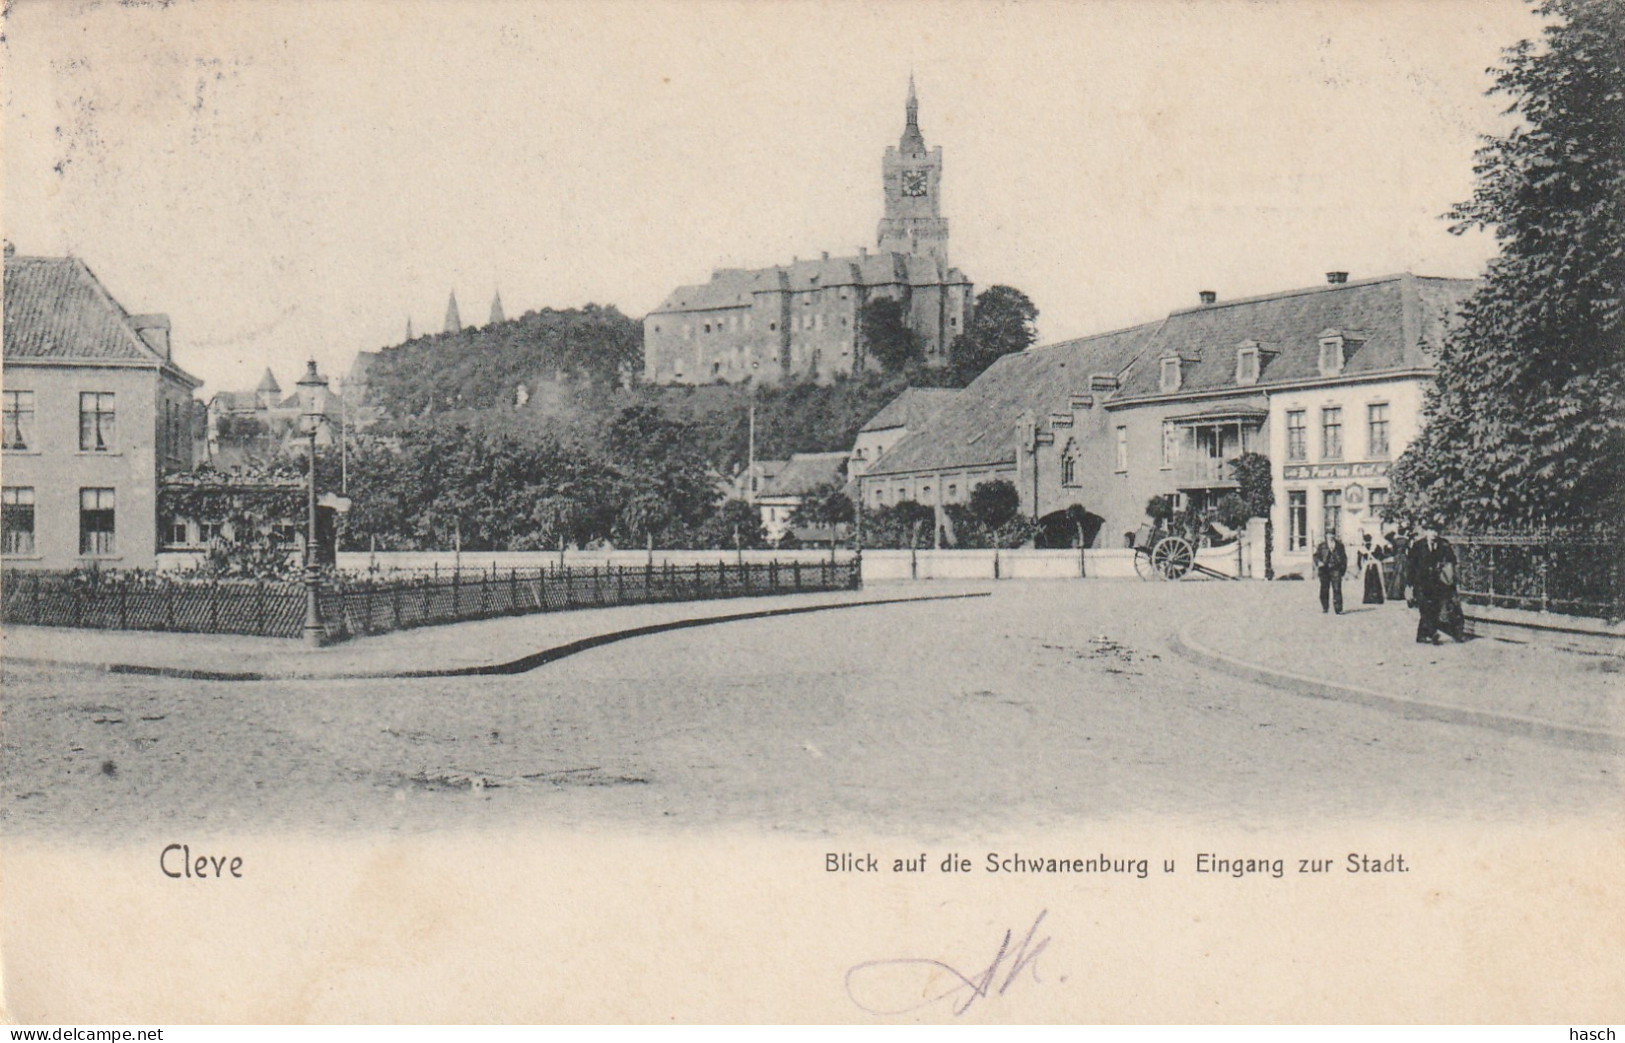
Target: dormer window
point(1171, 376)
point(1332, 344)
point(1247, 363)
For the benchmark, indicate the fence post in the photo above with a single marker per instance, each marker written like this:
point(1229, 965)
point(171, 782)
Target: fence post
point(513, 591)
point(598, 584)
point(456, 590)
point(214, 607)
point(36, 600)
point(259, 607)
point(620, 594)
point(795, 571)
point(395, 601)
point(995, 563)
point(169, 606)
point(485, 594)
point(123, 606)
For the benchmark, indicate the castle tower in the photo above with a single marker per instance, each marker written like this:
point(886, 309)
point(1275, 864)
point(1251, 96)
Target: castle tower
point(409, 327)
point(911, 178)
point(496, 309)
point(454, 321)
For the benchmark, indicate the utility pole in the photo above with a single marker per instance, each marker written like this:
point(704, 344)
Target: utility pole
point(750, 457)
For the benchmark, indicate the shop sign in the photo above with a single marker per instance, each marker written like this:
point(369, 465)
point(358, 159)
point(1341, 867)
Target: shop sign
point(1298, 472)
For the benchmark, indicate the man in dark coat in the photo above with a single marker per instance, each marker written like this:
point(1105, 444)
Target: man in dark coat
point(1430, 569)
point(1331, 562)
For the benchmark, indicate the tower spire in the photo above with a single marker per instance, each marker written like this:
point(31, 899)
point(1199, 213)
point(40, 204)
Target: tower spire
point(496, 308)
point(913, 140)
point(454, 321)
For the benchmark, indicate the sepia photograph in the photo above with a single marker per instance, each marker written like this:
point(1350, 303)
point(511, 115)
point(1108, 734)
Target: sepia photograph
point(835, 512)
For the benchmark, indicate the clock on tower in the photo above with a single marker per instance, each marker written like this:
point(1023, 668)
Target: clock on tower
point(914, 183)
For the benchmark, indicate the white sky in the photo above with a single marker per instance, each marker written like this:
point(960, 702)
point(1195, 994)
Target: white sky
point(295, 179)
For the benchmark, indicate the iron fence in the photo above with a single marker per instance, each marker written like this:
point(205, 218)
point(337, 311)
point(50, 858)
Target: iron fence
point(353, 605)
point(1573, 573)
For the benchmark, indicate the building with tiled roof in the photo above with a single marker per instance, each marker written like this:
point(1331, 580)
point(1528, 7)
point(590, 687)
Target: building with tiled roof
point(1327, 381)
point(96, 410)
point(800, 320)
point(909, 411)
point(800, 476)
point(1034, 418)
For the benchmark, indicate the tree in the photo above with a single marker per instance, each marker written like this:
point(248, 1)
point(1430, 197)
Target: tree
point(1002, 323)
point(887, 336)
point(906, 523)
point(993, 504)
point(1255, 496)
point(1546, 319)
point(733, 519)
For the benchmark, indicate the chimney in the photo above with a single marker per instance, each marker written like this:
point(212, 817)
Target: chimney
point(153, 331)
point(1208, 296)
point(1337, 278)
point(826, 255)
point(863, 251)
point(11, 251)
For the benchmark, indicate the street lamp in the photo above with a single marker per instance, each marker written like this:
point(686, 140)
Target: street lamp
point(312, 411)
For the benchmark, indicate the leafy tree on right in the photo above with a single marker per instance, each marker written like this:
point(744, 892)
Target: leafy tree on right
point(1525, 424)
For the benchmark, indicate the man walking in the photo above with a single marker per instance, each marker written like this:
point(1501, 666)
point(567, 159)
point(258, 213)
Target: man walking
point(1331, 562)
point(1431, 571)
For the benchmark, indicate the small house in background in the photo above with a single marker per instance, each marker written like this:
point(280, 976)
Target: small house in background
point(802, 475)
point(96, 412)
point(909, 411)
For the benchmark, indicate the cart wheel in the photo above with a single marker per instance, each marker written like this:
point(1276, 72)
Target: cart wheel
point(1142, 564)
point(1172, 557)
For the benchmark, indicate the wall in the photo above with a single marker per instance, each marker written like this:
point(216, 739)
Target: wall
point(57, 470)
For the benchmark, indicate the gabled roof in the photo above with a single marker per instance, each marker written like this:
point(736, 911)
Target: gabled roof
point(976, 427)
point(804, 472)
point(912, 409)
point(735, 287)
point(1399, 321)
point(56, 309)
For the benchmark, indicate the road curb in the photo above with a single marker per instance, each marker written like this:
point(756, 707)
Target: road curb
point(1512, 724)
point(521, 665)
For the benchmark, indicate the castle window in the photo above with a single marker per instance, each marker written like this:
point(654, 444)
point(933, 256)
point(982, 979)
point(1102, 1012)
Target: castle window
point(772, 326)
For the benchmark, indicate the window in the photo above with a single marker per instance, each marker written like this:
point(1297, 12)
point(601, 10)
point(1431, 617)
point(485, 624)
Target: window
point(1170, 374)
point(19, 419)
point(1247, 365)
point(1297, 435)
point(1297, 520)
point(925, 494)
point(1376, 425)
point(772, 326)
point(1378, 501)
point(1122, 448)
point(95, 521)
point(1170, 443)
point(953, 491)
point(1331, 511)
point(177, 535)
point(880, 496)
point(17, 521)
point(1331, 433)
point(1069, 470)
point(97, 422)
point(1331, 356)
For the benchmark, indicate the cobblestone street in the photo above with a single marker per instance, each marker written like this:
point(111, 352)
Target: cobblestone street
point(1044, 705)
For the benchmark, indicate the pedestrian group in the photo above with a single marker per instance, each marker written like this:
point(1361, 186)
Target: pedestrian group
point(1425, 577)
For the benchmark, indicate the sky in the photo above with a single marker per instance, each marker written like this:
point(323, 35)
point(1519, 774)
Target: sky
point(292, 179)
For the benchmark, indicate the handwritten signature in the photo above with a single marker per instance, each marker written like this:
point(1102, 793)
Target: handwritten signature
point(903, 985)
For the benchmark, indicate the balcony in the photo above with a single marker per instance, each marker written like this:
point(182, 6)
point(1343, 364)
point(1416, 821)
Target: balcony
point(1205, 472)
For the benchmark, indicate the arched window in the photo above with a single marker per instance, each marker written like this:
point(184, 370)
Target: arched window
point(1069, 463)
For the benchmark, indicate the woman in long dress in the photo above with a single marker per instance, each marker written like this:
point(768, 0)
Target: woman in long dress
point(1371, 555)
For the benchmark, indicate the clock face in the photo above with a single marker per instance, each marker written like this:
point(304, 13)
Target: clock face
point(914, 182)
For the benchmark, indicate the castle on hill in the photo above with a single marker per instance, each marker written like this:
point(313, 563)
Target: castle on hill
point(800, 320)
